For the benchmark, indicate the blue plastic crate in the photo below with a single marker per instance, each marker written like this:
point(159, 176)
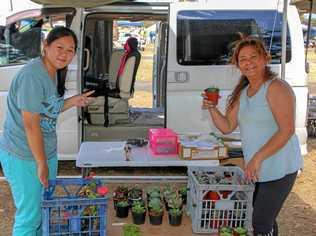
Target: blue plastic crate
point(64, 212)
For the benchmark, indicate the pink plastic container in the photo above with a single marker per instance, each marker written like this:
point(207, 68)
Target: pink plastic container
point(163, 141)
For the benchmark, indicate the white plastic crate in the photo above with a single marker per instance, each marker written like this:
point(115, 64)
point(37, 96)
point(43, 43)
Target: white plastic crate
point(219, 196)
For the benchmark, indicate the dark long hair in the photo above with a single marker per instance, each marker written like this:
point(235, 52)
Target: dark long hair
point(243, 81)
point(54, 34)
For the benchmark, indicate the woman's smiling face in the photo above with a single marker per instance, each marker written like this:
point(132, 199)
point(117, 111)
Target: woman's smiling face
point(60, 52)
point(251, 63)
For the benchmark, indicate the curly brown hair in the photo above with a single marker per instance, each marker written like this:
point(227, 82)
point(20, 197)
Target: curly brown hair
point(243, 81)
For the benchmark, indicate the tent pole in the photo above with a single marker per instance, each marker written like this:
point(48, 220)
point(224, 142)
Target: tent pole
point(284, 29)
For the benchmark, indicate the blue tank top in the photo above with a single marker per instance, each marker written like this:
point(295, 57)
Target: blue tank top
point(257, 125)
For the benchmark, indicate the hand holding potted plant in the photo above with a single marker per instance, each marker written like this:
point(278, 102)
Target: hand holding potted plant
point(212, 94)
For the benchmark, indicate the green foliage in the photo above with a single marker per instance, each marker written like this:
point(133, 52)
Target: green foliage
point(131, 230)
point(175, 212)
point(212, 90)
point(122, 204)
point(138, 208)
point(175, 202)
point(183, 190)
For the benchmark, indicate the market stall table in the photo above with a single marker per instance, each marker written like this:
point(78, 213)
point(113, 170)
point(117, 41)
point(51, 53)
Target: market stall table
point(112, 154)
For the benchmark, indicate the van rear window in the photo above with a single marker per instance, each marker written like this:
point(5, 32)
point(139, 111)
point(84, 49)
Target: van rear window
point(207, 37)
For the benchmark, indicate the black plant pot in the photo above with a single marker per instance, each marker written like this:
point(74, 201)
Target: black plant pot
point(139, 219)
point(122, 212)
point(175, 220)
point(155, 220)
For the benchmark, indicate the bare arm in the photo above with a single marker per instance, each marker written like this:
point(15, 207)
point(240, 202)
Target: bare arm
point(225, 123)
point(282, 104)
point(35, 140)
point(79, 100)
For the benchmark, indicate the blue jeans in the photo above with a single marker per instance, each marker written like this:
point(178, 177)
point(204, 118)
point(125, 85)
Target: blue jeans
point(27, 191)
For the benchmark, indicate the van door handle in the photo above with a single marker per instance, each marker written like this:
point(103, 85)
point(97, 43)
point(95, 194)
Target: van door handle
point(182, 77)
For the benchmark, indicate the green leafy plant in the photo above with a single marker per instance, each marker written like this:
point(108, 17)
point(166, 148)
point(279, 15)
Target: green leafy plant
point(122, 204)
point(211, 90)
point(175, 212)
point(175, 202)
point(131, 230)
point(138, 208)
point(183, 190)
point(155, 207)
point(135, 193)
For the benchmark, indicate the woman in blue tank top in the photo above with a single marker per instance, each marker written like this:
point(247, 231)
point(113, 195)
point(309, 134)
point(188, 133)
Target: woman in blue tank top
point(263, 107)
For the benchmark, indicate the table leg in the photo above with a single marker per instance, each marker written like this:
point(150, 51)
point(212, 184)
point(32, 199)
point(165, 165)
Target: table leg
point(85, 171)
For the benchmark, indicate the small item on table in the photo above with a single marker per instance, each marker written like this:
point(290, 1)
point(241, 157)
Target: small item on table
point(128, 152)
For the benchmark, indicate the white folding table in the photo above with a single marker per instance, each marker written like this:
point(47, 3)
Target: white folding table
point(112, 154)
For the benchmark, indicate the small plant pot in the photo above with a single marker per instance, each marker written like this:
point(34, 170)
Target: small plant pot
point(212, 96)
point(175, 220)
point(139, 219)
point(122, 212)
point(155, 220)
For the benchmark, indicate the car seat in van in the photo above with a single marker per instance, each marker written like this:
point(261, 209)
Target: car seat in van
point(123, 67)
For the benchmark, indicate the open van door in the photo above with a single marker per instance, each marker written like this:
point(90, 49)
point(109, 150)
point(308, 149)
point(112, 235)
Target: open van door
point(21, 41)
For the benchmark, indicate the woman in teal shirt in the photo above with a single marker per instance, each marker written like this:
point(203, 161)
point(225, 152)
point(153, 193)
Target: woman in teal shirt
point(263, 107)
point(28, 147)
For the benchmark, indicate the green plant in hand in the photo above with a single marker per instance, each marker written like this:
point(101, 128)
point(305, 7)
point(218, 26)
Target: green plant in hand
point(212, 90)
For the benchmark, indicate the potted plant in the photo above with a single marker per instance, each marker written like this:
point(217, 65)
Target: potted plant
point(120, 194)
point(135, 194)
point(183, 191)
point(122, 209)
point(212, 94)
point(155, 212)
point(175, 202)
point(175, 216)
point(171, 195)
point(131, 230)
point(225, 231)
point(153, 192)
point(138, 213)
point(240, 231)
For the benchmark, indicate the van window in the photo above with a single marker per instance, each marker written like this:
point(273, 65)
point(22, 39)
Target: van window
point(20, 42)
point(208, 37)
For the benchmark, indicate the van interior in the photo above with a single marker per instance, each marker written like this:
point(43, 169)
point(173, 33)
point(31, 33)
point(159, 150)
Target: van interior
point(131, 101)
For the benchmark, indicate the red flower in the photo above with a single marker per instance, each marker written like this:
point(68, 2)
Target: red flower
point(102, 190)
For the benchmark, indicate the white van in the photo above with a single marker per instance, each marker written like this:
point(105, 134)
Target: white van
point(190, 53)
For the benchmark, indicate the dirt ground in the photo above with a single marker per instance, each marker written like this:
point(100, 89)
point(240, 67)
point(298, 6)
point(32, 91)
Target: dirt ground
point(297, 218)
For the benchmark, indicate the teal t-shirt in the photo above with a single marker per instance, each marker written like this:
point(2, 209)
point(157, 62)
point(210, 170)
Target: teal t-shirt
point(34, 91)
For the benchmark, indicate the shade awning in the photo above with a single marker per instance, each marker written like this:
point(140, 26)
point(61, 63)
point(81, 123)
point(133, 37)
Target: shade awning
point(75, 3)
